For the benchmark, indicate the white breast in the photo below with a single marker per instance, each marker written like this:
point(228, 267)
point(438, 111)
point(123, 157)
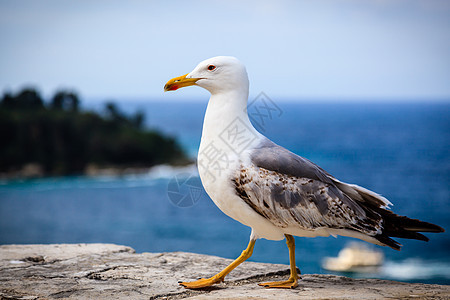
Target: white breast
point(224, 146)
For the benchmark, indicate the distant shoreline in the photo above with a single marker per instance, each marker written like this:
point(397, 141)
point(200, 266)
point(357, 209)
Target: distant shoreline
point(34, 171)
point(55, 137)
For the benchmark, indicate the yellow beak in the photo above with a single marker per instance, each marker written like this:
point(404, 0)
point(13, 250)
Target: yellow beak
point(179, 82)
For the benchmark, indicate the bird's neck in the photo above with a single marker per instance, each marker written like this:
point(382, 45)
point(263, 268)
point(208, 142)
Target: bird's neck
point(227, 135)
point(224, 110)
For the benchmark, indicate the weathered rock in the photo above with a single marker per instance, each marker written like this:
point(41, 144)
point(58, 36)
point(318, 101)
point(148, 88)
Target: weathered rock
point(105, 271)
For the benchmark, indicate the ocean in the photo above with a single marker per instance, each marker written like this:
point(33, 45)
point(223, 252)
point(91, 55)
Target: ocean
point(400, 150)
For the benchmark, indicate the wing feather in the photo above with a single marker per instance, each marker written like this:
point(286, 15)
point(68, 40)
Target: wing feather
point(298, 201)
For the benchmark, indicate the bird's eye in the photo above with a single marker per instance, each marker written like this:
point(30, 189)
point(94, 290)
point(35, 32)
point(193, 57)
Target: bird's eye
point(211, 67)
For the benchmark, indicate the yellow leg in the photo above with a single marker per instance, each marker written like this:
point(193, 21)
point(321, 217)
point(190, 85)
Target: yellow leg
point(219, 277)
point(292, 282)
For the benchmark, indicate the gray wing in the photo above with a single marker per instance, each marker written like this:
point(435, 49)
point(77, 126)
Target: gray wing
point(270, 156)
point(290, 190)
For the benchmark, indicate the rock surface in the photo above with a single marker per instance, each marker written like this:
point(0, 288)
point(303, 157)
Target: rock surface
point(105, 271)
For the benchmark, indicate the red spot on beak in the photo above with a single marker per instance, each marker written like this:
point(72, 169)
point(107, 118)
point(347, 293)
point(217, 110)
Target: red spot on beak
point(174, 87)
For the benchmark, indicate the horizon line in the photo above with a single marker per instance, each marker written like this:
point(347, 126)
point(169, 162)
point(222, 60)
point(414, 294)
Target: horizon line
point(149, 99)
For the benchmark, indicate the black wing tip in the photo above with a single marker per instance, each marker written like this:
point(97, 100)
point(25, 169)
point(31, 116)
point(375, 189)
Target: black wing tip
point(387, 241)
point(404, 227)
point(421, 226)
point(435, 229)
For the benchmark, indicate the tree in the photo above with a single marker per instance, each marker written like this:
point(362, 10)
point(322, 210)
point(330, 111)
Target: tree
point(67, 101)
point(138, 120)
point(27, 99)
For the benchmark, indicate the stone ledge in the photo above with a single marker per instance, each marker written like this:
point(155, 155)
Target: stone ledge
point(106, 271)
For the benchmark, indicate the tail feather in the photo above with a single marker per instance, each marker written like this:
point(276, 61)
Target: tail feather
point(408, 235)
point(403, 227)
point(386, 240)
point(396, 222)
point(391, 224)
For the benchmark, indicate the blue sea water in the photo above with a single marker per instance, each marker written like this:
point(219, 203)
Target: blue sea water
point(401, 150)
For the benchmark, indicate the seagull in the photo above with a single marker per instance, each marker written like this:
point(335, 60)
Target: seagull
point(275, 192)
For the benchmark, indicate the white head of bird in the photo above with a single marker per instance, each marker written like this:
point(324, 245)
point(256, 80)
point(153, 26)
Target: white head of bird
point(225, 77)
point(220, 74)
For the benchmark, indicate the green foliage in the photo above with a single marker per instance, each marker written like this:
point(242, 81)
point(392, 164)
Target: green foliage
point(64, 140)
point(27, 99)
point(63, 100)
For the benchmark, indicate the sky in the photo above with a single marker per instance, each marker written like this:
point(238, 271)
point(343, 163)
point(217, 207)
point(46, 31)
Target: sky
point(299, 50)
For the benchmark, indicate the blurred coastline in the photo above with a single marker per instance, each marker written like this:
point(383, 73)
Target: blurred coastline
point(58, 138)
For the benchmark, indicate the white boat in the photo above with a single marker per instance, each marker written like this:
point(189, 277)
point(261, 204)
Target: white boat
point(356, 257)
